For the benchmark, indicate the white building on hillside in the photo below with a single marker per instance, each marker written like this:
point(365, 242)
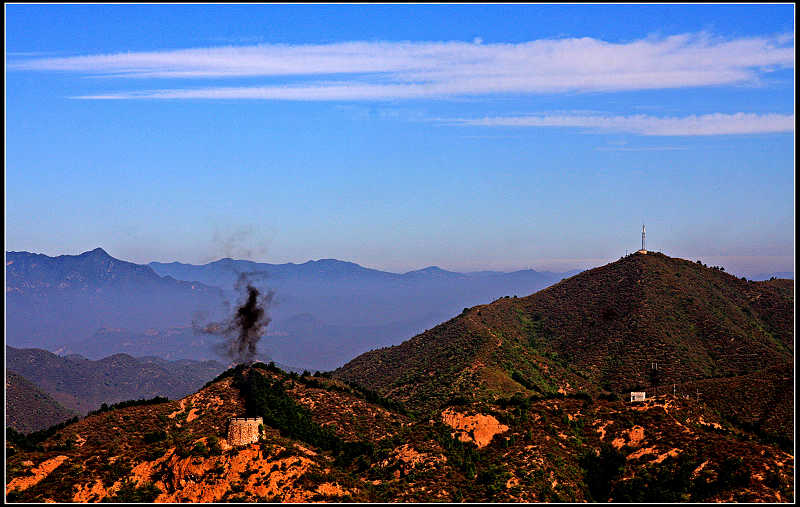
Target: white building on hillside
point(638, 396)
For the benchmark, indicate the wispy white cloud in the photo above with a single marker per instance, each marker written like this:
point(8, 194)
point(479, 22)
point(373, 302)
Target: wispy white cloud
point(641, 148)
point(318, 92)
point(693, 125)
point(404, 70)
point(29, 53)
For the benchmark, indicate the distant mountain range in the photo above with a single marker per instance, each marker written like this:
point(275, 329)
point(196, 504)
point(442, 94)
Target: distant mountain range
point(80, 385)
point(327, 311)
point(324, 312)
point(225, 272)
point(168, 344)
point(789, 275)
point(343, 293)
point(51, 301)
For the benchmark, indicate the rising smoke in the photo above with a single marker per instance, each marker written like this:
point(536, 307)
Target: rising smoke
point(244, 329)
point(244, 242)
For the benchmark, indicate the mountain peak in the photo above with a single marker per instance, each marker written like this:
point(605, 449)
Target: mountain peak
point(331, 262)
point(97, 252)
point(697, 322)
point(433, 272)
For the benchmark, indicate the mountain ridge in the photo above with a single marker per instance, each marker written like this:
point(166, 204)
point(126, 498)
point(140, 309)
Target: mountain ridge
point(312, 267)
point(60, 303)
point(81, 384)
point(325, 440)
point(56, 300)
point(29, 408)
point(599, 330)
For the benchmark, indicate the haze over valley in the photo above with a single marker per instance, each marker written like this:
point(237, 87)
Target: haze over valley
point(323, 313)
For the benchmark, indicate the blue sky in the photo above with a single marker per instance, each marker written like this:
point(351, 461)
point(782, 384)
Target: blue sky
point(401, 136)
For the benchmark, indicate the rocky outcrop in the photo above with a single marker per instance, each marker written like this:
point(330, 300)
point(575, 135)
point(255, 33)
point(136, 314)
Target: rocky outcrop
point(36, 474)
point(478, 428)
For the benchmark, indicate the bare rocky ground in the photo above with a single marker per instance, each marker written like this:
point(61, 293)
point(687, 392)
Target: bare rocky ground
point(513, 450)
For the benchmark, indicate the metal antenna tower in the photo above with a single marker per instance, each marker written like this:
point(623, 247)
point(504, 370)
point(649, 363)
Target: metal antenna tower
point(643, 233)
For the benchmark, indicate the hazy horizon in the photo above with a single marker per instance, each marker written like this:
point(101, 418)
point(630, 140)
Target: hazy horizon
point(740, 266)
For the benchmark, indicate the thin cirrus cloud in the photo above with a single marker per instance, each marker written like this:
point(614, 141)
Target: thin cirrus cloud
point(408, 70)
point(692, 125)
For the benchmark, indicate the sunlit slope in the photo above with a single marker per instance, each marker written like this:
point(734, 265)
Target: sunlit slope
point(605, 328)
point(325, 440)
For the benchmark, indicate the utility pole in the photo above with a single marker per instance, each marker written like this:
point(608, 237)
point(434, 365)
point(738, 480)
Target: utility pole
point(654, 376)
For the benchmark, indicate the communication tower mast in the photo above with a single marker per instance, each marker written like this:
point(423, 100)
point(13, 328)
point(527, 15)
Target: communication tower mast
point(643, 250)
point(643, 233)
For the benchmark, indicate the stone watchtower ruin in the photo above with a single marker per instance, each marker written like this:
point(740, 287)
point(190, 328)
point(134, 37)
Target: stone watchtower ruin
point(244, 430)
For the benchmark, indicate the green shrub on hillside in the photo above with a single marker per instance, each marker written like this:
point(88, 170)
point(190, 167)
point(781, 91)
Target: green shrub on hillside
point(129, 403)
point(213, 446)
point(114, 471)
point(494, 477)
point(130, 493)
point(155, 436)
point(200, 449)
point(267, 398)
point(669, 481)
point(463, 455)
point(32, 441)
point(601, 469)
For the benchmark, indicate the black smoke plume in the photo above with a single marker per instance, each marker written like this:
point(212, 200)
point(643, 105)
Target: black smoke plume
point(245, 328)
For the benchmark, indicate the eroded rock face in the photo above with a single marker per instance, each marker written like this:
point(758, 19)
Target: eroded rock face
point(478, 428)
point(536, 458)
point(37, 474)
point(635, 437)
point(91, 492)
point(406, 458)
point(250, 470)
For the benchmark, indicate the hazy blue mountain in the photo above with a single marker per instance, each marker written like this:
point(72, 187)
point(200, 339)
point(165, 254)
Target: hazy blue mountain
point(161, 346)
point(311, 344)
point(344, 293)
point(297, 343)
point(225, 272)
point(324, 312)
point(433, 273)
point(781, 274)
point(167, 344)
point(80, 384)
point(51, 301)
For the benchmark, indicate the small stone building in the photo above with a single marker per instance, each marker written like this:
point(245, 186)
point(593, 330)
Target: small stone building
point(244, 430)
point(638, 396)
